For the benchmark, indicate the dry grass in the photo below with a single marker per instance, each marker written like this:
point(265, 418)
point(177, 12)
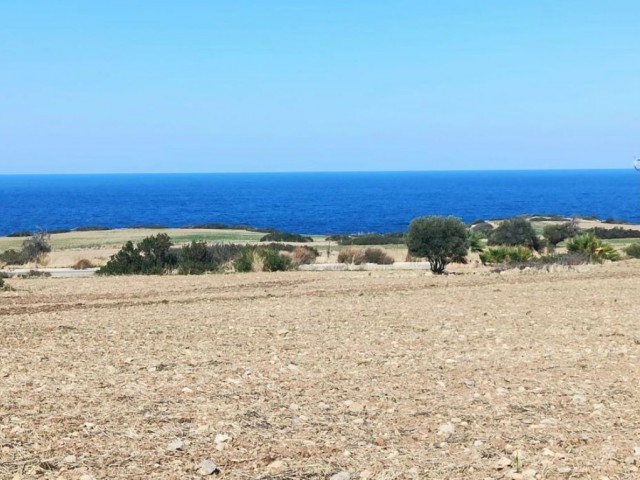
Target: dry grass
point(388, 375)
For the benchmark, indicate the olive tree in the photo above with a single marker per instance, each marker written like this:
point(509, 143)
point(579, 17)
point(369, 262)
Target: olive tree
point(441, 240)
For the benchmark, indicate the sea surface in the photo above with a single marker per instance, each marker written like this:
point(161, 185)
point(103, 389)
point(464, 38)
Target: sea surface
point(311, 203)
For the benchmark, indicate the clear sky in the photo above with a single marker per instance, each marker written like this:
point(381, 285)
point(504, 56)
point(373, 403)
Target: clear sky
point(291, 85)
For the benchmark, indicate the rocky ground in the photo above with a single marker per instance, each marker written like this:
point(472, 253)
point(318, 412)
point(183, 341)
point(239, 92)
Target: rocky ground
point(314, 375)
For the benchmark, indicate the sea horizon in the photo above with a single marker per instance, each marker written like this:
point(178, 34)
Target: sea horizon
point(311, 202)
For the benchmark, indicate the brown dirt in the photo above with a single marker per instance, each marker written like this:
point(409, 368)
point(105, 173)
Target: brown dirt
point(386, 374)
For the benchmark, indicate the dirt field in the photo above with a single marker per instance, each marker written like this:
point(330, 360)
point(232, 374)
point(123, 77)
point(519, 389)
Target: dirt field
point(302, 375)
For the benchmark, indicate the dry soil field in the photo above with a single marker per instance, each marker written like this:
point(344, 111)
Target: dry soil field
point(303, 375)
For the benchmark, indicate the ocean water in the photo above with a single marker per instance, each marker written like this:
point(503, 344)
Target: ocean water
point(312, 203)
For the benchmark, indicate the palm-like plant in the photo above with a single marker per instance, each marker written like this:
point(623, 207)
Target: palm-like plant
point(594, 248)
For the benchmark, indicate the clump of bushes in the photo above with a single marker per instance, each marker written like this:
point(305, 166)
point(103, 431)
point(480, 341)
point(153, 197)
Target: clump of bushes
point(594, 248)
point(12, 257)
point(255, 259)
point(369, 239)
point(377, 256)
point(352, 256)
point(34, 249)
point(151, 256)
point(198, 257)
point(556, 233)
point(358, 256)
point(614, 233)
point(508, 255)
point(278, 236)
point(514, 232)
point(633, 250)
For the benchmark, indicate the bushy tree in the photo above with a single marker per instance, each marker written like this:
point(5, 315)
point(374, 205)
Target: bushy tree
point(36, 247)
point(441, 240)
point(514, 232)
point(559, 232)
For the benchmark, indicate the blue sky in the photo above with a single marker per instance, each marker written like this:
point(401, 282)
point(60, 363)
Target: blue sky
point(234, 86)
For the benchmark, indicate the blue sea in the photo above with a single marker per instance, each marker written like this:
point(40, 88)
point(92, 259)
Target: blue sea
point(311, 203)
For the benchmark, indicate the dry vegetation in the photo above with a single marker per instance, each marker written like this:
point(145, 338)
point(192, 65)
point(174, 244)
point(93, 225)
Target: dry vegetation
point(386, 375)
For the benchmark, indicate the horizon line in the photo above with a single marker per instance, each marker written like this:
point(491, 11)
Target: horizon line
point(279, 172)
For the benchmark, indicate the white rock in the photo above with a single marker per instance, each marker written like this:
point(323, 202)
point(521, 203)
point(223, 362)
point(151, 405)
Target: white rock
point(503, 463)
point(207, 467)
point(344, 475)
point(222, 438)
point(565, 470)
point(176, 445)
point(69, 459)
point(447, 429)
point(579, 399)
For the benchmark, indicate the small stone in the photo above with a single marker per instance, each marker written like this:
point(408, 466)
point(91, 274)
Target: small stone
point(529, 474)
point(446, 429)
point(176, 445)
point(87, 476)
point(579, 399)
point(549, 421)
point(222, 438)
point(207, 467)
point(276, 465)
point(503, 463)
point(69, 459)
point(548, 452)
point(283, 332)
point(187, 390)
point(636, 451)
point(565, 470)
point(344, 475)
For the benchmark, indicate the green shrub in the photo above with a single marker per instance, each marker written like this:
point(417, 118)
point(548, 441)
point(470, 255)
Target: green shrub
point(613, 233)
point(633, 250)
point(278, 236)
point(151, 256)
point(257, 259)
point(514, 232)
point(556, 233)
point(12, 257)
point(20, 233)
point(369, 239)
point(594, 248)
point(377, 256)
point(508, 255)
point(198, 257)
point(273, 261)
point(441, 240)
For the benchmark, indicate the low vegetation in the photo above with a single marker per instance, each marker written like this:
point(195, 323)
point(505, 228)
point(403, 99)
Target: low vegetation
point(83, 264)
point(359, 256)
point(278, 236)
point(508, 255)
point(614, 233)
point(594, 248)
point(151, 256)
point(633, 250)
point(198, 257)
point(556, 233)
point(34, 249)
point(369, 239)
point(515, 232)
